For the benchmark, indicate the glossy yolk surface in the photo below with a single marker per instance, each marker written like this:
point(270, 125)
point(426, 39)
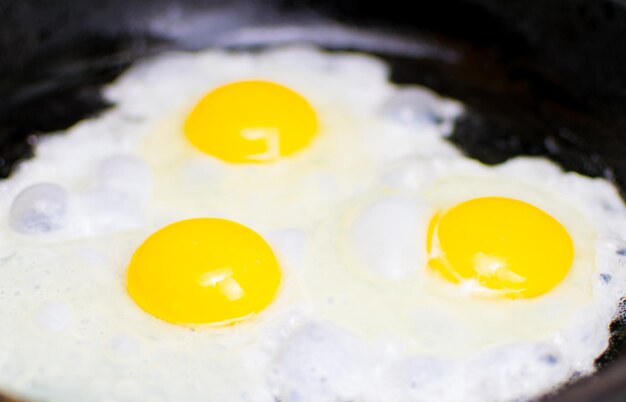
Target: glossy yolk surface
point(203, 271)
point(251, 121)
point(508, 246)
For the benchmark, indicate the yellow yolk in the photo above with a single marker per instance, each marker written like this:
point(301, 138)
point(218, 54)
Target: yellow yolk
point(251, 121)
point(203, 271)
point(507, 246)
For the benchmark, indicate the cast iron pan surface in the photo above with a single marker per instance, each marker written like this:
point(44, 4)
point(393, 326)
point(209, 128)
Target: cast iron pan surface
point(543, 78)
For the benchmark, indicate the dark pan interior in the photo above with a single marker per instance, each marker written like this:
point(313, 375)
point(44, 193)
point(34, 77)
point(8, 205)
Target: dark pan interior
point(538, 77)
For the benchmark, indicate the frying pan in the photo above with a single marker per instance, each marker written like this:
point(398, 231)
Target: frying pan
point(538, 77)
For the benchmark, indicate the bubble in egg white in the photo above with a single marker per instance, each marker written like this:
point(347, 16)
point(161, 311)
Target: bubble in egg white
point(39, 209)
point(419, 378)
point(533, 365)
point(421, 108)
point(320, 362)
point(387, 235)
point(105, 211)
point(123, 186)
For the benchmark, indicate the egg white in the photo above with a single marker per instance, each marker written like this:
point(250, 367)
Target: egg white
point(357, 316)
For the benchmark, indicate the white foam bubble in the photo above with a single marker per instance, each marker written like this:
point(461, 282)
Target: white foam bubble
point(39, 209)
point(422, 378)
point(420, 107)
point(320, 362)
point(385, 235)
point(106, 211)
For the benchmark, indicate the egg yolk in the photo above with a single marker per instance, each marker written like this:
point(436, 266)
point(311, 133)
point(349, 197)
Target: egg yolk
point(251, 122)
point(203, 271)
point(507, 246)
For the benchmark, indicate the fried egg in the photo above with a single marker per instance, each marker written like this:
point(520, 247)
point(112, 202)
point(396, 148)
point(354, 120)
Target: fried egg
point(288, 225)
point(477, 305)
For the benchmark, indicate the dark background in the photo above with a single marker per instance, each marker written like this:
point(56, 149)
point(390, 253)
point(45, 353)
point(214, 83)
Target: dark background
point(538, 77)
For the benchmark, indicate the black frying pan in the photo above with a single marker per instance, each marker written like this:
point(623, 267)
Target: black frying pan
point(538, 77)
